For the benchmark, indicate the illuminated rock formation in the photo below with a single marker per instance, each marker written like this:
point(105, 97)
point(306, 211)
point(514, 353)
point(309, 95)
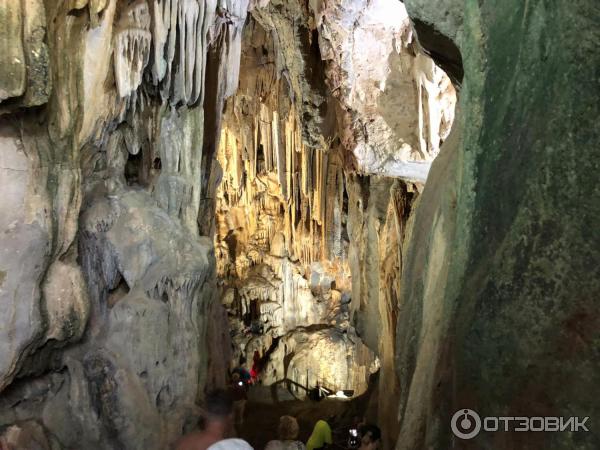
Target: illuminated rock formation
point(288, 262)
point(375, 63)
point(280, 247)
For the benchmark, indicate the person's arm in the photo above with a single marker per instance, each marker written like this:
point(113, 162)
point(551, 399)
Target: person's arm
point(327, 437)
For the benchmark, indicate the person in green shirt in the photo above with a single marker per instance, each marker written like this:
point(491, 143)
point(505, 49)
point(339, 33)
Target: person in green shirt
point(320, 437)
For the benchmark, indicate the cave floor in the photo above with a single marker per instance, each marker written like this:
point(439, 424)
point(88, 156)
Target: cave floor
point(263, 411)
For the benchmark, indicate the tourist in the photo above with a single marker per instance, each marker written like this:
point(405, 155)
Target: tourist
point(231, 444)
point(370, 437)
point(256, 367)
point(288, 433)
point(215, 423)
point(320, 437)
point(239, 396)
point(243, 372)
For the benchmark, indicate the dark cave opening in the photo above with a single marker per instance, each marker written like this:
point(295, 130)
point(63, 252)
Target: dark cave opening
point(134, 169)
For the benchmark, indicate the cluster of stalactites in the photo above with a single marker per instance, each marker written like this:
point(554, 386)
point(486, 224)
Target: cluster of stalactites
point(180, 33)
point(132, 47)
point(287, 188)
point(230, 24)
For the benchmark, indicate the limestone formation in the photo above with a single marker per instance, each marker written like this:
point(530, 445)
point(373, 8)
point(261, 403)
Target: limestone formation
point(280, 218)
point(329, 358)
point(374, 64)
point(285, 256)
point(107, 288)
point(24, 71)
point(187, 182)
point(132, 47)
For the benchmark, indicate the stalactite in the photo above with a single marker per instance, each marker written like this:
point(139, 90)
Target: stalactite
point(280, 156)
point(290, 157)
point(184, 23)
point(132, 48)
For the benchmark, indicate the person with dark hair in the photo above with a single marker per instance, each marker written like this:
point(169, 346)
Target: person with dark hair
point(243, 372)
point(215, 423)
point(370, 437)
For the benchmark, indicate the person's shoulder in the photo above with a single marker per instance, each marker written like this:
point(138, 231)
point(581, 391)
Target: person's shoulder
point(273, 445)
point(231, 444)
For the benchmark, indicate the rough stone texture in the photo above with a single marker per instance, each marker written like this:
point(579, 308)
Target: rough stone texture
point(399, 104)
point(13, 59)
point(331, 358)
point(27, 435)
point(378, 214)
point(153, 298)
point(24, 77)
point(107, 289)
point(39, 228)
point(26, 243)
point(500, 278)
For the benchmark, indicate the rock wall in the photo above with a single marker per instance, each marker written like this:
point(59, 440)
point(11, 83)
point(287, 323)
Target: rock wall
point(500, 273)
point(380, 208)
point(107, 288)
point(398, 105)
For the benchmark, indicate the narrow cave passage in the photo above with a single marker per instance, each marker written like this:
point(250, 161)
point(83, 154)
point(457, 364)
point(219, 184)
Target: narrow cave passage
point(310, 225)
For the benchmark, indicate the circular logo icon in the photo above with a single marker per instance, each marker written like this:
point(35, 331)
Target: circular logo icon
point(466, 424)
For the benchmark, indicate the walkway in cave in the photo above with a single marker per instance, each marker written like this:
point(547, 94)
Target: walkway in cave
point(262, 416)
